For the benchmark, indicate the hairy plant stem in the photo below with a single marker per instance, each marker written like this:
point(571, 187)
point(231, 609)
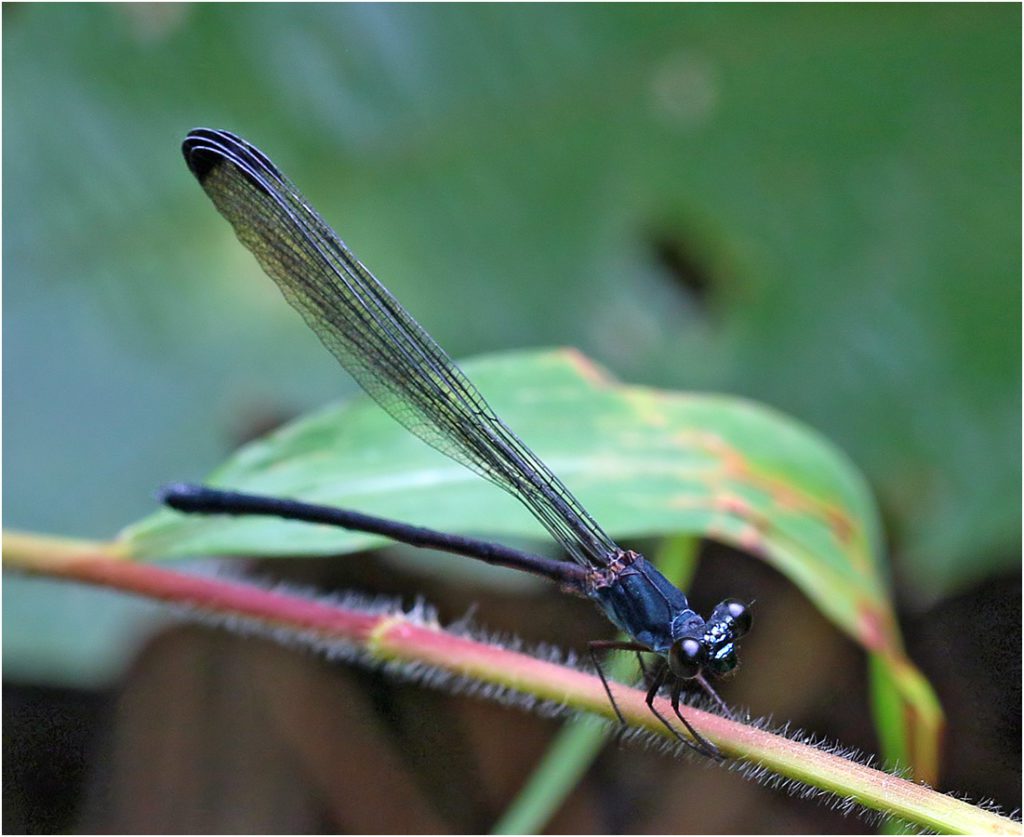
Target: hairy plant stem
point(399, 638)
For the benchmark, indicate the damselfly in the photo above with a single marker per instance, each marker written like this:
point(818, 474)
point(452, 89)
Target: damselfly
point(394, 359)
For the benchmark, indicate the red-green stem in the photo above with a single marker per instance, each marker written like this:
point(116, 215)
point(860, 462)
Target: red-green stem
point(398, 638)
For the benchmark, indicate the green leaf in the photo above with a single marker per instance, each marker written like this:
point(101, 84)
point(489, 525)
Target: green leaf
point(856, 224)
point(645, 462)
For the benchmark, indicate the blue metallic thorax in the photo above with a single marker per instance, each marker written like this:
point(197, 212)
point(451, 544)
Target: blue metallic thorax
point(643, 603)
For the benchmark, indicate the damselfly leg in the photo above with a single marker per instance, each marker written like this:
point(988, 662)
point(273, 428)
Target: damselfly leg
point(699, 744)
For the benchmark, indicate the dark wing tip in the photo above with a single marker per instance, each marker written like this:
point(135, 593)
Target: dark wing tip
point(201, 153)
point(206, 148)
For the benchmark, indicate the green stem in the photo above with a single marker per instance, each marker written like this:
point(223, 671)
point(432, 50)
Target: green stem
point(398, 638)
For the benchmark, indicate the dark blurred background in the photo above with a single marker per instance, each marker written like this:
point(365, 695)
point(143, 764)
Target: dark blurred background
point(815, 207)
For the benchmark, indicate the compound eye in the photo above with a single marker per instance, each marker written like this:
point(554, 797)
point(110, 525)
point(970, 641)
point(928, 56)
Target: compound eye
point(737, 614)
point(724, 661)
point(686, 658)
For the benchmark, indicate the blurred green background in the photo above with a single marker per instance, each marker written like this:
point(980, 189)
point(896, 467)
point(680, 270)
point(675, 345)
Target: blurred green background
point(815, 207)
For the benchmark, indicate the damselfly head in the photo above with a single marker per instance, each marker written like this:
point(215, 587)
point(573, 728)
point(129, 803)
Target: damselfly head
point(730, 620)
point(715, 649)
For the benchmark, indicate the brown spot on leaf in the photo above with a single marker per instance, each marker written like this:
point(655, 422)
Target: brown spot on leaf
point(586, 368)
